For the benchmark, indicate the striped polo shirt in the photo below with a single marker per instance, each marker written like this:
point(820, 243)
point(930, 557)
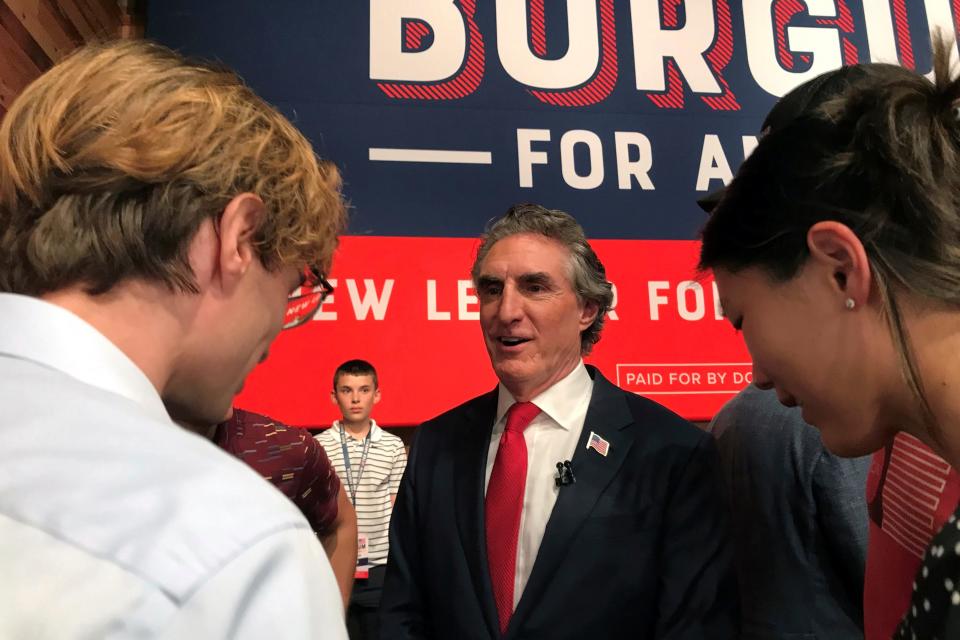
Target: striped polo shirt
point(386, 461)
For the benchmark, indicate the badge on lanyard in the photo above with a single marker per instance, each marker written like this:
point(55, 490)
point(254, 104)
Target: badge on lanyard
point(363, 557)
point(353, 488)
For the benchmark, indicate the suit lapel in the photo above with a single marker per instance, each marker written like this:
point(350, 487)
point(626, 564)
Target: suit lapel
point(607, 415)
point(470, 472)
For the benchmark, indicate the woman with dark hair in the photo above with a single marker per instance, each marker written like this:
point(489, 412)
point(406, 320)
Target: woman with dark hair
point(836, 251)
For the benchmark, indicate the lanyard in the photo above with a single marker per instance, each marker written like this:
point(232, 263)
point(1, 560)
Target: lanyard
point(346, 463)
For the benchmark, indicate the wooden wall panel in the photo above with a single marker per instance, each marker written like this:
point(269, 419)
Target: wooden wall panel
point(46, 26)
point(17, 68)
point(22, 38)
point(34, 34)
point(87, 28)
point(106, 13)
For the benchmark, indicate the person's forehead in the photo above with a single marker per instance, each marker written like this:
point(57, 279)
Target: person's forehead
point(727, 282)
point(352, 380)
point(525, 253)
point(740, 285)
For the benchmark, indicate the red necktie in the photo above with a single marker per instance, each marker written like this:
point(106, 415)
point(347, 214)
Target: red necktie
point(504, 505)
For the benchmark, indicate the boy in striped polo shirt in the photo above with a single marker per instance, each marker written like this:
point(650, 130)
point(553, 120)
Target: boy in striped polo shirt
point(370, 463)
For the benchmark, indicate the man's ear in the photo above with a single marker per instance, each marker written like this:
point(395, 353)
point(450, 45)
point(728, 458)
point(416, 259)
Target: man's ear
point(376, 396)
point(837, 248)
point(588, 314)
point(238, 226)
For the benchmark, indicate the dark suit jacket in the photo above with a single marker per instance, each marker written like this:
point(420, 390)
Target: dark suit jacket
point(799, 516)
point(637, 547)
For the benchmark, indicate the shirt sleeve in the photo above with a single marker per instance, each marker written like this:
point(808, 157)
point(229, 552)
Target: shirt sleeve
point(838, 488)
point(318, 488)
point(281, 587)
point(399, 464)
point(934, 610)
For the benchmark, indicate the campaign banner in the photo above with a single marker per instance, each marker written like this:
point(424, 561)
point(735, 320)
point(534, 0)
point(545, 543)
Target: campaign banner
point(443, 113)
point(408, 306)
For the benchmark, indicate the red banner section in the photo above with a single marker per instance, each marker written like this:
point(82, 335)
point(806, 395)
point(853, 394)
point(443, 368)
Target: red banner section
point(407, 305)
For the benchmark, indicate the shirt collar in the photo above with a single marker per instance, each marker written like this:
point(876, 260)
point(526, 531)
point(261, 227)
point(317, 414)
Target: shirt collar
point(562, 402)
point(38, 331)
point(375, 431)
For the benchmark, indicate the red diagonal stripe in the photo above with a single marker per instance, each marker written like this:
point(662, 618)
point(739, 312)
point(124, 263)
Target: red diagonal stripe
point(538, 33)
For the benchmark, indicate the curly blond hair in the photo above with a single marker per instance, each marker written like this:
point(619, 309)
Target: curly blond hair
point(112, 159)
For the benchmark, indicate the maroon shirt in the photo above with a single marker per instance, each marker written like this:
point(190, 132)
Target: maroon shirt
point(289, 458)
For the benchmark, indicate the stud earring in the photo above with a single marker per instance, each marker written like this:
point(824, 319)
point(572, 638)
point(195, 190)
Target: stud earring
point(850, 304)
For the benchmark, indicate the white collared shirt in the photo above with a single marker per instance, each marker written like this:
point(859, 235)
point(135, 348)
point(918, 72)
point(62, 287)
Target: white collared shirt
point(386, 460)
point(115, 522)
point(551, 438)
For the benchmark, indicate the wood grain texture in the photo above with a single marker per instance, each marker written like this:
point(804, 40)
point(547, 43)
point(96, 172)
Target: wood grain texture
point(44, 24)
point(84, 24)
point(17, 70)
point(22, 39)
point(35, 34)
point(105, 13)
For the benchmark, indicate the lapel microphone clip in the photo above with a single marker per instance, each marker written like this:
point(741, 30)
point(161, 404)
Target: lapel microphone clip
point(564, 474)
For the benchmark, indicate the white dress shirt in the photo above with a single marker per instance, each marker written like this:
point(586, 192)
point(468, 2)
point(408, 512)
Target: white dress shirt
point(116, 523)
point(551, 438)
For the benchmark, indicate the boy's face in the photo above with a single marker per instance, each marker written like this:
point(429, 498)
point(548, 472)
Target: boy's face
point(355, 395)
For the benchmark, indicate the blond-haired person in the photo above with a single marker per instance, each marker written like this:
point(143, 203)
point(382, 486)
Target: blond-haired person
point(156, 215)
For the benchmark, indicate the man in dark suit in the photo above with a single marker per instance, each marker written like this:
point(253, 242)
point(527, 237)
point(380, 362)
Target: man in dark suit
point(805, 509)
point(557, 505)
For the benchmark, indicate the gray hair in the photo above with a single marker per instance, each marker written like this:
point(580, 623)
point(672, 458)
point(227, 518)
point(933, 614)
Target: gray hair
point(587, 275)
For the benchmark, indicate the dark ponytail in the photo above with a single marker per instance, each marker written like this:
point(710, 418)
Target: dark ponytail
point(882, 157)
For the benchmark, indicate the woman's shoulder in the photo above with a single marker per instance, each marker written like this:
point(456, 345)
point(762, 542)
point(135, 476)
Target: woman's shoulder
point(934, 610)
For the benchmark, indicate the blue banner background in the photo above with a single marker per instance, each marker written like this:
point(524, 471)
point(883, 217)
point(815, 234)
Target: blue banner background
point(311, 59)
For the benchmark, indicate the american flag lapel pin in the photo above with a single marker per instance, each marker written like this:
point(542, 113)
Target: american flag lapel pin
point(598, 444)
